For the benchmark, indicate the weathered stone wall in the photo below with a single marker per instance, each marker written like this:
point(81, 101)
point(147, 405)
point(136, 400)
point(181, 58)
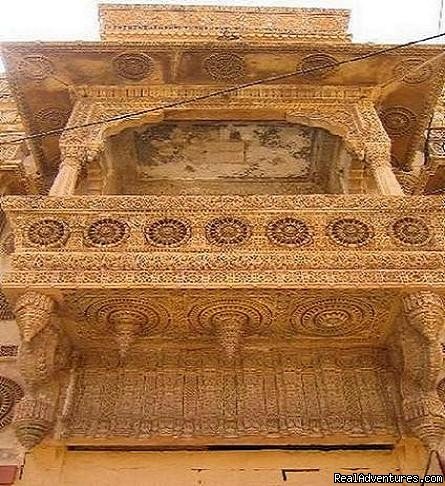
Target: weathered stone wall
point(48, 467)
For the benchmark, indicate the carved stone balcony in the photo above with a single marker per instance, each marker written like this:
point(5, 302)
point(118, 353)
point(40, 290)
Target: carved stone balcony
point(226, 241)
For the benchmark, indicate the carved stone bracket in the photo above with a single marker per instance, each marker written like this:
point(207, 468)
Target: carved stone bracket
point(44, 352)
point(33, 312)
point(34, 418)
point(422, 364)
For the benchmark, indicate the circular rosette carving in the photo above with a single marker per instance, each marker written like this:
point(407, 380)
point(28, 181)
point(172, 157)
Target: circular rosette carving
point(106, 232)
point(225, 66)
point(398, 121)
point(117, 314)
point(133, 66)
point(250, 317)
point(35, 67)
point(317, 66)
point(167, 232)
point(289, 232)
point(350, 232)
point(413, 71)
point(48, 233)
point(10, 394)
point(411, 231)
point(332, 317)
point(227, 231)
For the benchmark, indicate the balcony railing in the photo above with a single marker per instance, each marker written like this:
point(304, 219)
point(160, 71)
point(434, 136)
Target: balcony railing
point(317, 240)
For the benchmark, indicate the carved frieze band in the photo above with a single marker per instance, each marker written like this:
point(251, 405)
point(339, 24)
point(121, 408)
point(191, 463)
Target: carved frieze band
point(242, 226)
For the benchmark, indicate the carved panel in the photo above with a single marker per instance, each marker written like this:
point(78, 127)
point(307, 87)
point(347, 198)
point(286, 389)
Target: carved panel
point(282, 394)
point(169, 317)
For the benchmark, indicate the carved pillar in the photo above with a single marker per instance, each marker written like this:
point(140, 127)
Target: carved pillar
point(385, 179)
point(67, 177)
point(422, 364)
point(377, 146)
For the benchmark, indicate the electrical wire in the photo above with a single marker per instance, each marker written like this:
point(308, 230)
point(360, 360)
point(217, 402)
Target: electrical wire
point(222, 92)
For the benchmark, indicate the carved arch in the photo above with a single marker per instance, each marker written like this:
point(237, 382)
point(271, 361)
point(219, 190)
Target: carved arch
point(356, 122)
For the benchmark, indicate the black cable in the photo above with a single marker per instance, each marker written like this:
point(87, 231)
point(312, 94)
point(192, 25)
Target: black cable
point(220, 92)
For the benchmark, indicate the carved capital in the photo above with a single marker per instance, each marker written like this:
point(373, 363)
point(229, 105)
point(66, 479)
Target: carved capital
point(41, 359)
point(422, 364)
point(33, 312)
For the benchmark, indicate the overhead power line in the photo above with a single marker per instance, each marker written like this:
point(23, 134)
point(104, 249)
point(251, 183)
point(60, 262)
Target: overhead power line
point(221, 92)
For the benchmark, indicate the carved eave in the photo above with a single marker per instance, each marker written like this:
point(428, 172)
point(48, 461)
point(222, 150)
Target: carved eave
point(43, 76)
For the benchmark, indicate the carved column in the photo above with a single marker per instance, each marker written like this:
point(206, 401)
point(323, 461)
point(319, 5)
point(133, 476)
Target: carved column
point(67, 177)
point(422, 364)
point(377, 146)
point(379, 163)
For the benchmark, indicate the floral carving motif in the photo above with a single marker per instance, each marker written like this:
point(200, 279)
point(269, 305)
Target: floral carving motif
point(167, 232)
point(133, 66)
point(10, 394)
point(48, 232)
point(51, 118)
point(411, 231)
point(106, 232)
point(225, 66)
point(227, 231)
point(350, 232)
point(120, 314)
point(207, 317)
point(332, 316)
point(317, 66)
point(398, 121)
point(413, 71)
point(35, 67)
point(288, 232)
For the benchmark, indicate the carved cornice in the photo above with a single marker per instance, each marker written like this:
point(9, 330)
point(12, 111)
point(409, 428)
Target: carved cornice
point(288, 94)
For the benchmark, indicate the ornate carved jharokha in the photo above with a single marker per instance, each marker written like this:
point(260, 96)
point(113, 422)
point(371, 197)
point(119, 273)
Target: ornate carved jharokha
point(264, 266)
